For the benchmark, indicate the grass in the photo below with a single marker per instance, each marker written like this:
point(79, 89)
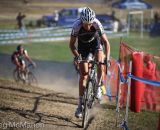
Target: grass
point(56, 51)
point(139, 121)
point(147, 44)
point(59, 51)
point(145, 120)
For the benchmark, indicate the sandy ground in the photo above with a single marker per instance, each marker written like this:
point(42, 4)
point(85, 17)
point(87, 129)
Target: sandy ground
point(51, 105)
point(26, 107)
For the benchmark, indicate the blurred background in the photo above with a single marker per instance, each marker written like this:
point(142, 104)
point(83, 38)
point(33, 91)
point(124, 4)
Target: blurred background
point(44, 27)
point(115, 15)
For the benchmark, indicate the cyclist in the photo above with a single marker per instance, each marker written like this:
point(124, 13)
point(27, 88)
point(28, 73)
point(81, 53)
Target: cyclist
point(89, 33)
point(18, 58)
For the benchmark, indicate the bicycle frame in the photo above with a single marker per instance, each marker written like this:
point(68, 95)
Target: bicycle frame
point(90, 90)
point(28, 78)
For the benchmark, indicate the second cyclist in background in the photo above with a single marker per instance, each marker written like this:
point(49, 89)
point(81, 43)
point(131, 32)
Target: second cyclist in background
point(89, 33)
point(18, 58)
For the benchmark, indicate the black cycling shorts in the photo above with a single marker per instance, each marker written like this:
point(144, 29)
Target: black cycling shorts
point(85, 48)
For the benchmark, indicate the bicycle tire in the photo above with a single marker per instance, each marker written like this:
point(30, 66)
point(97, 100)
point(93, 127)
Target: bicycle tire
point(124, 126)
point(32, 80)
point(16, 77)
point(86, 108)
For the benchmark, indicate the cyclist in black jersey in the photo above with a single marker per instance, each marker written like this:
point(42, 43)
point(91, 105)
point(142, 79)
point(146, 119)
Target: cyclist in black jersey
point(19, 56)
point(90, 35)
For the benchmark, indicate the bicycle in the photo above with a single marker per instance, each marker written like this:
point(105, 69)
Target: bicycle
point(90, 91)
point(25, 76)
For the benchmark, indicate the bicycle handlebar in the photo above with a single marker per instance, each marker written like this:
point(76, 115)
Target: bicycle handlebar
point(30, 65)
point(92, 62)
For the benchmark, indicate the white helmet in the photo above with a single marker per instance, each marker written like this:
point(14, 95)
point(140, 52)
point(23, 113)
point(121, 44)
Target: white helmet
point(87, 15)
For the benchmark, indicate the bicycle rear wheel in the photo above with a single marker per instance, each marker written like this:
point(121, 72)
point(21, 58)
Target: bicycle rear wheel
point(32, 80)
point(86, 106)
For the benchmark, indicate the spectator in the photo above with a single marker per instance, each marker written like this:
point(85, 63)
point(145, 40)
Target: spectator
point(150, 74)
point(20, 21)
point(115, 26)
point(113, 14)
point(156, 17)
point(56, 17)
point(115, 22)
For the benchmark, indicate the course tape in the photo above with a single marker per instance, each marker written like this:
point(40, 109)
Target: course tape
point(34, 40)
point(60, 32)
point(123, 80)
point(65, 28)
point(32, 35)
point(151, 82)
point(146, 81)
point(11, 36)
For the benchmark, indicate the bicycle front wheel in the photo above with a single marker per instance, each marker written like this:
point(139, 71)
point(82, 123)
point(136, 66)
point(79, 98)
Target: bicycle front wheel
point(32, 80)
point(87, 98)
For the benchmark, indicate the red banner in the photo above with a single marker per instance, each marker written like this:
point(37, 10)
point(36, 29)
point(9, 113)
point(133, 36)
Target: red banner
point(150, 70)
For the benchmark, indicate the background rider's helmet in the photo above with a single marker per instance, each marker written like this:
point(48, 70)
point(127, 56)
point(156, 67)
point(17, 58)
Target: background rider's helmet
point(19, 47)
point(87, 15)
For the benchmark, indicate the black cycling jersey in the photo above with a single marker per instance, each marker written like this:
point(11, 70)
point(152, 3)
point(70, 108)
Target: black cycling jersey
point(88, 41)
point(19, 56)
point(97, 26)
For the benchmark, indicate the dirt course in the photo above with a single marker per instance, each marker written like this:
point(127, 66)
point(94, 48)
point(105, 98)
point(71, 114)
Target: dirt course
point(51, 105)
point(31, 107)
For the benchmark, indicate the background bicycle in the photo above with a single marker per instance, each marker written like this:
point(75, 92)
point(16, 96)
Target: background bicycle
point(26, 76)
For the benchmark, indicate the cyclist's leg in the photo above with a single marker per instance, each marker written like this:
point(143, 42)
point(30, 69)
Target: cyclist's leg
point(97, 50)
point(100, 74)
point(83, 72)
point(83, 49)
point(83, 67)
point(23, 69)
point(100, 68)
point(83, 77)
point(23, 65)
point(99, 55)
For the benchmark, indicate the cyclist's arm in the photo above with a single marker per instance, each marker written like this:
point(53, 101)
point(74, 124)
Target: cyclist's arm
point(28, 58)
point(103, 37)
point(72, 46)
point(106, 45)
point(16, 61)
